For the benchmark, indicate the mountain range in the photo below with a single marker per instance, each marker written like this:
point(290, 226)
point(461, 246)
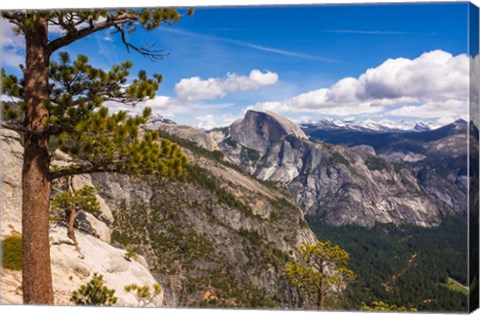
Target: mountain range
point(368, 125)
point(360, 177)
point(222, 235)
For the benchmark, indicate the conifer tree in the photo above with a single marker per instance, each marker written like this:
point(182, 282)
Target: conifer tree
point(324, 271)
point(94, 292)
point(380, 306)
point(144, 294)
point(71, 202)
point(64, 98)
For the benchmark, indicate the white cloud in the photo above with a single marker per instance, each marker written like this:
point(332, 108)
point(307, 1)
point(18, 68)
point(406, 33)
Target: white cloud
point(194, 88)
point(456, 108)
point(436, 82)
point(475, 90)
point(162, 105)
point(13, 45)
point(210, 121)
point(108, 38)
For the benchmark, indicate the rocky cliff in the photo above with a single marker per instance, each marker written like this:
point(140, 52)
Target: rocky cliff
point(72, 265)
point(342, 185)
point(218, 237)
point(258, 130)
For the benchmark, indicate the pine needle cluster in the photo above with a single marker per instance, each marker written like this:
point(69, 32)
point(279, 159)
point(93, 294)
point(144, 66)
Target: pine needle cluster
point(84, 128)
point(94, 293)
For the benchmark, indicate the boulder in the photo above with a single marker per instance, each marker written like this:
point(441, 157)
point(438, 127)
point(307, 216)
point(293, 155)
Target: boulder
point(90, 224)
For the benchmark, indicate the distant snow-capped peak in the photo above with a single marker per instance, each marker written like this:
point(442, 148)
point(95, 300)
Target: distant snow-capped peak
point(384, 125)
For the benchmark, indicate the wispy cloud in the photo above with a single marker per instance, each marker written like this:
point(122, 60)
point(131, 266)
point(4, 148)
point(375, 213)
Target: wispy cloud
point(376, 32)
point(283, 52)
point(242, 43)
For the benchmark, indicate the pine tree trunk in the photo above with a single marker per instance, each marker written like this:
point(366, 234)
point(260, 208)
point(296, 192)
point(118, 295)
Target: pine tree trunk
point(71, 222)
point(321, 300)
point(321, 294)
point(36, 183)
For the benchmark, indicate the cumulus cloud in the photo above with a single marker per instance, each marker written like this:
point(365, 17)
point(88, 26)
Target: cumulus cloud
point(435, 81)
point(195, 88)
point(164, 105)
point(13, 46)
point(210, 121)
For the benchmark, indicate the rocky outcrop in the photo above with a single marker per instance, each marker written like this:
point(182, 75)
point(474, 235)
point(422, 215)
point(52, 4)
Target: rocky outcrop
point(72, 266)
point(347, 187)
point(11, 173)
point(198, 136)
point(96, 224)
point(219, 233)
point(258, 130)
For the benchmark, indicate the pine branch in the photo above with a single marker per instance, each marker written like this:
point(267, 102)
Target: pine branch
point(68, 27)
point(20, 128)
point(70, 37)
point(151, 54)
point(76, 171)
point(75, 35)
point(110, 167)
point(15, 18)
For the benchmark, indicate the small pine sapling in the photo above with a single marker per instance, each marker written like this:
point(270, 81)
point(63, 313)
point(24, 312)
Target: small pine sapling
point(145, 295)
point(94, 293)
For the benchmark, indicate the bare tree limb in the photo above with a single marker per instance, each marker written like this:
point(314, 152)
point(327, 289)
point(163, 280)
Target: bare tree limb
point(145, 51)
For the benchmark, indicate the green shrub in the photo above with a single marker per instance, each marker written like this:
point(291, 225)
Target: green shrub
point(121, 238)
point(252, 236)
point(129, 254)
point(94, 293)
point(250, 154)
point(337, 158)
point(230, 142)
point(218, 155)
point(12, 252)
point(144, 295)
point(376, 164)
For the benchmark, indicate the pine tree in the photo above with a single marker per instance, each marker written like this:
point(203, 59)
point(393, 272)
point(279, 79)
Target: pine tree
point(64, 98)
point(72, 202)
point(144, 294)
point(380, 306)
point(325, 270)
point(95, 292)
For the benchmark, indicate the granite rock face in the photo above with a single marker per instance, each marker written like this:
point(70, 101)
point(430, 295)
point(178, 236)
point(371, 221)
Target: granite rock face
point(258, 130)
point(219, 233)
point(221, 230)
point(72, 265)
point(11, 173)
point(185, 132)
point(340, 184)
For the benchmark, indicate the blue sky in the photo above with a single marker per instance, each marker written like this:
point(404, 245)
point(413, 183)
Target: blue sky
point(294, 60)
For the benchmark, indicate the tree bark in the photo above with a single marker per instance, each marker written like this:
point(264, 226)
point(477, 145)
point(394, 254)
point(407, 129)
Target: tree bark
point(36, 182)
point(321, 299)
point(321, 291)
point(72, 215)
